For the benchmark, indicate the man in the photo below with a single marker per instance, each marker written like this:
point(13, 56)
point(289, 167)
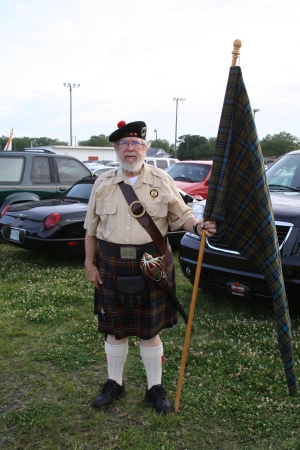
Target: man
point(122, 241)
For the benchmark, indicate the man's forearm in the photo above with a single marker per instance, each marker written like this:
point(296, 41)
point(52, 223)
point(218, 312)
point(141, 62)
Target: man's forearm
point(90, 250)
point(188, 225)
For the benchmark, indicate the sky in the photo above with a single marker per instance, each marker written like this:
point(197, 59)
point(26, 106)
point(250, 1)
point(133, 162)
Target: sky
point(131, 58)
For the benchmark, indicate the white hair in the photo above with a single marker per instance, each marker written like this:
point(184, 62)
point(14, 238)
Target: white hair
point(146, 143)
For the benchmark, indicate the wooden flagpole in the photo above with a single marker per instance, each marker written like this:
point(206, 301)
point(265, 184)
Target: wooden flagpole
point(190, 321)
point(236, 51)
point(235, 54)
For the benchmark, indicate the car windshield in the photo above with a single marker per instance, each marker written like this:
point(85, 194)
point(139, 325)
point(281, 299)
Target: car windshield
point(80, 191)
point(285, 173)
point(192, 172)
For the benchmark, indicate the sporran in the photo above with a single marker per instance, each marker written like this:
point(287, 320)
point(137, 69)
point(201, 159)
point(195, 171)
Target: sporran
point(131, 291)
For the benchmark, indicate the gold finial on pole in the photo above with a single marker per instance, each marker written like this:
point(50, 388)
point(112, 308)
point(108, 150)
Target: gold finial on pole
point(236, 51)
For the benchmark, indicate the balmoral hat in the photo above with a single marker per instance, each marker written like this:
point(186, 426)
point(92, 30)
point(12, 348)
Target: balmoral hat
point(132, 129)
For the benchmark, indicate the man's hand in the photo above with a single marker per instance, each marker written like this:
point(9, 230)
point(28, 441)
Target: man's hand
point(93, 275)
point(209, 227)
point(90, 252)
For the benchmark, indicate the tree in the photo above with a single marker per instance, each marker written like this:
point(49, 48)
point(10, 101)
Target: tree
point(3, 141)
point(19, 143)
point(191, 147)
point(161, 143)
point(96, 141)
point(278, 144)
point(172, 150)
point(206, 151)
point(37, 142)
point(194, 147)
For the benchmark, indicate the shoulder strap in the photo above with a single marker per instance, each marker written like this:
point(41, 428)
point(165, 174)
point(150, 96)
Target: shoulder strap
point(144, 219)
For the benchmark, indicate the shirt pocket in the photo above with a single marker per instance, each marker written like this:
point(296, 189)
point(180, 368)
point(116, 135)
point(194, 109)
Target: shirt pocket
point(158, 212)
point(108, 216)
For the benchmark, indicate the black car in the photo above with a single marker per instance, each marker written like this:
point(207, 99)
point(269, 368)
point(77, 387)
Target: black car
point(51, 226)
point(56, 226)
point(226, 271)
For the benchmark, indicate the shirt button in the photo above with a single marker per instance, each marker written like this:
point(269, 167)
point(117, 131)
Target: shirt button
point(127, 240)
point(127, 228)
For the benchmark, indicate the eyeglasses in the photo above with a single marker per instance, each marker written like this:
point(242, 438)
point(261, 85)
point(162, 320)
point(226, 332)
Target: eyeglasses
point(125, 144)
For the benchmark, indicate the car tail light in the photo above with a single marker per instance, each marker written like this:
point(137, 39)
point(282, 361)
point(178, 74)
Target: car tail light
point(73, 243)
point(51, 220)
point(4, 210)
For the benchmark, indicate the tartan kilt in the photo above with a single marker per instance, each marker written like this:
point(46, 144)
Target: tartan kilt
point(145, 321)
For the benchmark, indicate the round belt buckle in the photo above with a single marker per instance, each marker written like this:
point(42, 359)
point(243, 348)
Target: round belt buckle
point(136, 216)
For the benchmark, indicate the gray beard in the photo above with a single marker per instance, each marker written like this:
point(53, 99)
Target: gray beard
point(130, 167)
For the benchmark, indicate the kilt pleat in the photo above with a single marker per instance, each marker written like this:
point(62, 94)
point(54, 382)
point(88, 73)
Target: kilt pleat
point(144, 322)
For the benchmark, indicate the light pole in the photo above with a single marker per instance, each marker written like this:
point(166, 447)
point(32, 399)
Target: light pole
point(177, 100)
point(156, 142)
point(254, 112)
point(71, 87)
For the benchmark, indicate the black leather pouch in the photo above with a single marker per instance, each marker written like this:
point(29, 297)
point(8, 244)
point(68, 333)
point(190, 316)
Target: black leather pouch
point(131, 291)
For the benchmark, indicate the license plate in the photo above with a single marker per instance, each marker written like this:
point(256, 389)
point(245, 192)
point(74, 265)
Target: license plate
point(15, 234)
point(236, 288)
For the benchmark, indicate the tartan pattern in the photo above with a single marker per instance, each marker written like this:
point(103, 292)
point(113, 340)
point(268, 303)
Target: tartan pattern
point(146, 321)
point(239, 201)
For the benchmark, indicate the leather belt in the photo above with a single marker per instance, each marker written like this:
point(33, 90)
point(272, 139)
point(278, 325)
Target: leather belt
point(127, 251)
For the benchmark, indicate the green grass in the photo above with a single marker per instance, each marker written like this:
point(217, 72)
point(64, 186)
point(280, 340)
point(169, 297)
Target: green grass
point(234, 393)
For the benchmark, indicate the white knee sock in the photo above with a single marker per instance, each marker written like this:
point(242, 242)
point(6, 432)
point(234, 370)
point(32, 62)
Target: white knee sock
point(152, 359)
point(116, 356)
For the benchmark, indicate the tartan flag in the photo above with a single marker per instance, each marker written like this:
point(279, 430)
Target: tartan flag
point(239, 201)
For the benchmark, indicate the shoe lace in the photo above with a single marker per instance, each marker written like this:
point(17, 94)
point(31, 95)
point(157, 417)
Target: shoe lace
point(107, 387)
point(160, 392)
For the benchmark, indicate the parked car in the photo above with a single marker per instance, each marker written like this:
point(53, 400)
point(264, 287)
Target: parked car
point(103, 169)
point(192, 176)
point(50, 226)
point(94, 167)
point(56, 226)
point(92, 163)
point(161, 163)
point(197, 203)
point(226, 271)
point(37, 175)
point(113, 164)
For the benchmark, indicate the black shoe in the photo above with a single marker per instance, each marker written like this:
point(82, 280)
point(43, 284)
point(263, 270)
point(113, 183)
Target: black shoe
point(158, 397)
point(110, 391)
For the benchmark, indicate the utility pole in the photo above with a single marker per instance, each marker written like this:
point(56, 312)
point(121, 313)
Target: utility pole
point(71, 87)
point(177, 100)
point(156, 143)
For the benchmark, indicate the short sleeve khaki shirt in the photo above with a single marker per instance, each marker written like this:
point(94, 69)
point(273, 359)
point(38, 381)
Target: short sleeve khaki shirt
point(108, 217)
